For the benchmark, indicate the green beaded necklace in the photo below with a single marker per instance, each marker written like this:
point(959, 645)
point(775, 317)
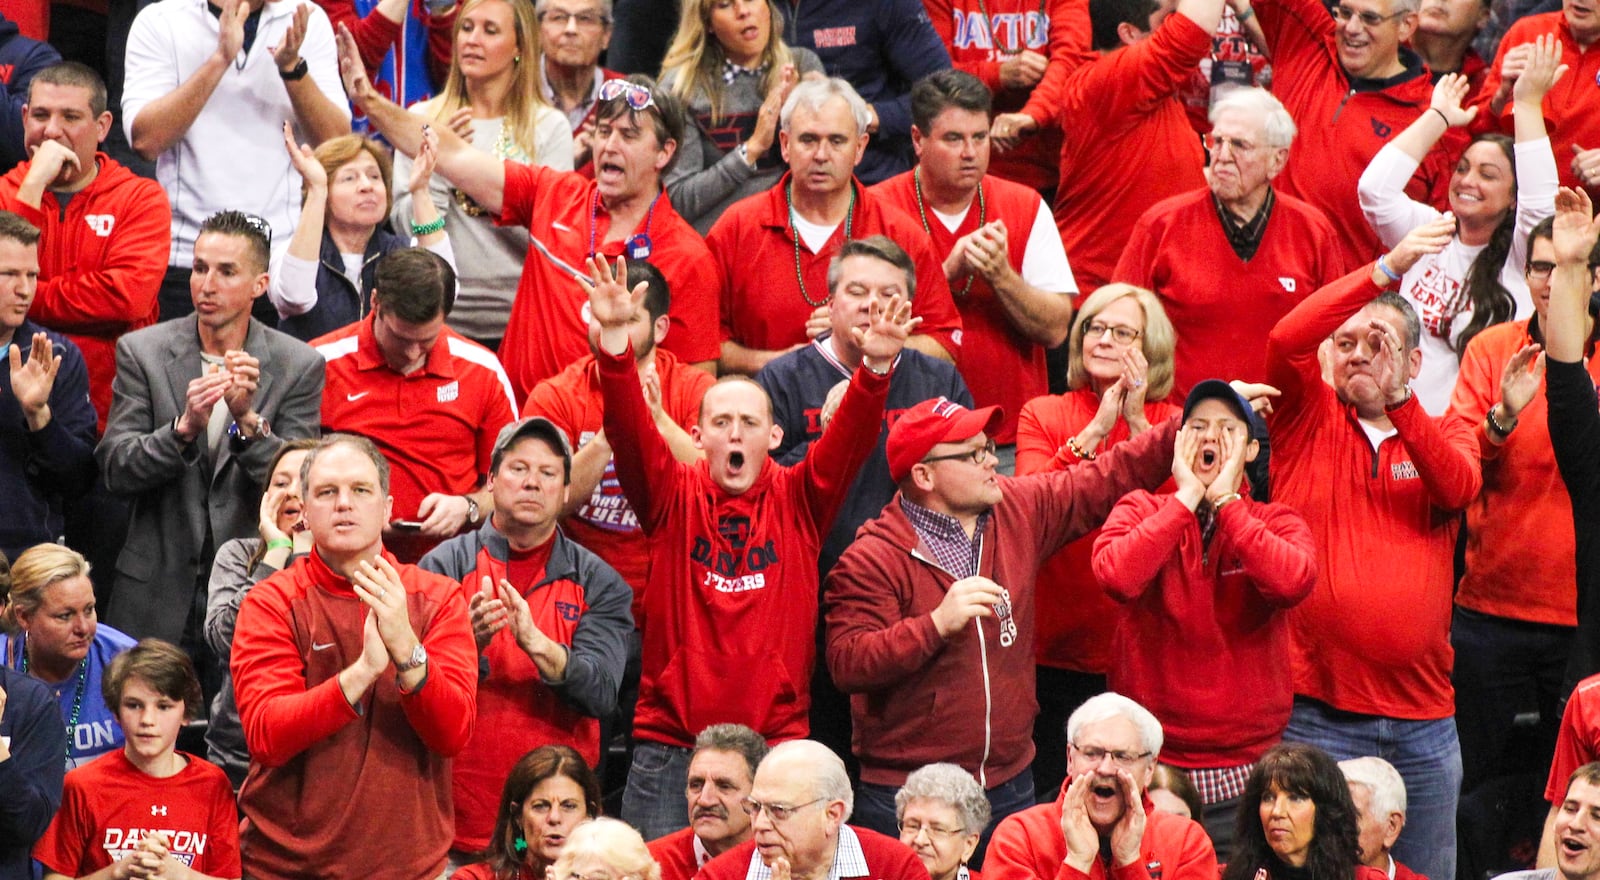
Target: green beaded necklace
point(922, 214)
point(77, 696)
point(849, 221)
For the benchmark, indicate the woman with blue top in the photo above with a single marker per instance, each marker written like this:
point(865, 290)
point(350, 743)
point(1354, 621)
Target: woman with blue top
point(52, 634)
point(729, 65)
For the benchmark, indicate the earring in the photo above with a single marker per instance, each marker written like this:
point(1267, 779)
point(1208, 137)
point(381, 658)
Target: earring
point(517, 60)
point(520, 845)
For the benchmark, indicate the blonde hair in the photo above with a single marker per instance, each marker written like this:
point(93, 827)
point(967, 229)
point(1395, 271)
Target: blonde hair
point(1158, 340)
point(338, 152)
point(612, 841)
point(38, 567)
point(695, 57)
point(524, 98)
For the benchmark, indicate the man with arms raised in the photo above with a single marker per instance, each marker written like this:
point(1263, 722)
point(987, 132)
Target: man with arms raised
point(721, 772)
point(356, 677)
point(734, 543)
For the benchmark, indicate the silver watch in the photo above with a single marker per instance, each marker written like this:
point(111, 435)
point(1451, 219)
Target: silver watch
point(419, 656)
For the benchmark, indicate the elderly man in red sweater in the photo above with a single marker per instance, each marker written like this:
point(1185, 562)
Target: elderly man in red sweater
point(733, 552)
point(1113, 744)
point(1381, 484)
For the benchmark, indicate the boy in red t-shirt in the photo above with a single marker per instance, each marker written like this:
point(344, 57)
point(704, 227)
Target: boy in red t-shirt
point(147, 810)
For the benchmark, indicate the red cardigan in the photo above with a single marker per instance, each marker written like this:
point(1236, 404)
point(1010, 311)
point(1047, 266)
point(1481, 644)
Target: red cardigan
point(1029, 846)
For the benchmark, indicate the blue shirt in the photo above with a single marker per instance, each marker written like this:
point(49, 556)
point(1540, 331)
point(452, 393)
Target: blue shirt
point(96, 731)
point(40, 469)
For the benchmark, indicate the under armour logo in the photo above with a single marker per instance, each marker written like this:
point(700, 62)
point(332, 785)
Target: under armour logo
point(449, 392)
point(100, 223)
point(157, 811)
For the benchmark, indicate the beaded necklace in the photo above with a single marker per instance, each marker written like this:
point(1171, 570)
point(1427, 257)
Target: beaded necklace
point(77, 696)
point(1021, 37)
point(502, 149)
point(922, 214)
point(849, 222)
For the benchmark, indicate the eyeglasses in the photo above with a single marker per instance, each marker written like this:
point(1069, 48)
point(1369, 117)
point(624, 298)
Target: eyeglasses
point(911, 829)
point(778, 812)
point(638, 96)
point(1343, 13)
point(977, 456)
point(1214, 144)
point(1095, 754)
point(1098, 330)
point(1540, 269)
point(585, 20)
point(259, 224)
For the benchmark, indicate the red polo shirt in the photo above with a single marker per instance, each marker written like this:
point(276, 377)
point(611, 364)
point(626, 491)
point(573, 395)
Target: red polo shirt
point(754, 248)
point(549, 326)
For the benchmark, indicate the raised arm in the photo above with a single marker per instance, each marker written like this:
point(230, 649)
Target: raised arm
point(1574, 234)
point(1382, 187)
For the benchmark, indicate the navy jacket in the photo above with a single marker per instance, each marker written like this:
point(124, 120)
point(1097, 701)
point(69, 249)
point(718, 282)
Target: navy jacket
point(31, 778)
point(38, 470)
point(882, 47)
point(20, 58)
point(338, 302)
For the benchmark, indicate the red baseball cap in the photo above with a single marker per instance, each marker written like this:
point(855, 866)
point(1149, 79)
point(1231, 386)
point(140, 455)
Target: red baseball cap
point(930, 423)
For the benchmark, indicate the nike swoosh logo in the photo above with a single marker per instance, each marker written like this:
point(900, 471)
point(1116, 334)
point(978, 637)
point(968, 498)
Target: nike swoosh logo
point(323, 647)
point(561, 226)
point(354, 397)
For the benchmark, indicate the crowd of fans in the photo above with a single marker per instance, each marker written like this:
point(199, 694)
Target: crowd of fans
point(906, 439)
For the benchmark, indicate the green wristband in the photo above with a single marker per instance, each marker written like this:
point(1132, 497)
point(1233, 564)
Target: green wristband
point(428, 228)
point(284, 543)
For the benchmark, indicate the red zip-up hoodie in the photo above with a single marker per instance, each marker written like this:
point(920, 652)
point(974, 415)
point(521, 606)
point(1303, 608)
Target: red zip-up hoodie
point(917, 698)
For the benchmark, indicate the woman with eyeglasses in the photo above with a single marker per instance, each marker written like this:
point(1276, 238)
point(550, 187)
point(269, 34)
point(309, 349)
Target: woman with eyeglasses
point(1498, 191)
point(548, 794)
point(491, 97)
point(942, 813)
point(732, 70)
point(1296, 821)
point(324, 279)
point(52, 633)
point(1119, 373)
point(605, 849)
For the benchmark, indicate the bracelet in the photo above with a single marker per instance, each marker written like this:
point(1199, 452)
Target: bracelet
point(280, 543)
point(1248, 13)
point(1072, 445)
point(1224, 501)
point(882, 372)
point(421, 229)
point(1441, 116)
point(1496, 428)
point(1383, 267)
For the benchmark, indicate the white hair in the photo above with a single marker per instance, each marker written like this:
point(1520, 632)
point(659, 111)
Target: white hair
point(1387, 790)
point(1104, 707)
point(814, 93)
point(1277, 126)
point(948, 784)
point(828, 776)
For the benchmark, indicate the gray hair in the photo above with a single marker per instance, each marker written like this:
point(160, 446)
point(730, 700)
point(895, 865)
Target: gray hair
point(1104, 707)
point(814, 93)
point(605, 9)
point(1277, 126)
point(947, 784)
point(1387, 789)
point(828, 774)
point(735, 738)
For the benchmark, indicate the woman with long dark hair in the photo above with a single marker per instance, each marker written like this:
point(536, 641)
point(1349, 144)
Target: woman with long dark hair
point(1296, 820)
point(1498, 191)
point(549, 792)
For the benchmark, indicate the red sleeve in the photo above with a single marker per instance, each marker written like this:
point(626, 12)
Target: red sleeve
point(933, 303)
point(1071, 46)
point(441, 711)
point(497, 413)
point(1138, 540)
point(1197, 860)
point(694, 312)
point(1575, 745)
point(526, 187)
point(826, 473)
point(121, 291)
point(1070, 503)
point(1295, 27)
point(280, 716)
point(1037, 447)
point(67, 844)
point(1477, 390)
point(871, 642)
point(722, 241)
point(374, 34)
point(1444, 451)
point(638, 451)
point(1292, 365)
point(1130, 82)
point(1139, 254)
point(441, 42)
point(222, 836)
point(1276, 548)
point(1011, 853)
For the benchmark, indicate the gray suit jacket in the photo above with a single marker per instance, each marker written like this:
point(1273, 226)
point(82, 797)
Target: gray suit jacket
point(175, 491)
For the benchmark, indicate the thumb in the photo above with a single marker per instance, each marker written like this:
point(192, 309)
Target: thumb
point(1576, 149)
point(487, 588)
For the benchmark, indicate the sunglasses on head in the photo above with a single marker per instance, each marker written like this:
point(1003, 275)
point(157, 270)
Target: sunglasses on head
point(637, 96)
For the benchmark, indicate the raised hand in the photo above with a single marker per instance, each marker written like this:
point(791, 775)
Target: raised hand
point(1448, 94)
point(1258, 394)
point(378, 585)
point(267, 519)
point(31, 383)
point(424, 163)
point(230, 29)
point(1083, 842)
point(1522, 378)
point(1575, 230)
point(1543, 70)
point(883, 339)
point(611, 304)
point(1389, 367)
point(287, 53)
point(304, 160)
point(1184, 449)
point(1135, 369)
point(766, 129)
point(1127, 836)
point(351, 69)
point(1234, 447)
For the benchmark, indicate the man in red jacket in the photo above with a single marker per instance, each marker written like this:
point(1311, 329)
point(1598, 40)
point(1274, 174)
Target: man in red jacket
point(356, 679)
point(104, 232)
point(1103, 825)
point(931, 610)
point(1379, 795)
point(720, 775)
point(733, 548)
point(798, 807)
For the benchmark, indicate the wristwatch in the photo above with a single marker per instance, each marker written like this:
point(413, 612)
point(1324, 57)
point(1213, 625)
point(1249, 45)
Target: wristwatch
point(473, 514)
point(295, 73)
point(419, 656)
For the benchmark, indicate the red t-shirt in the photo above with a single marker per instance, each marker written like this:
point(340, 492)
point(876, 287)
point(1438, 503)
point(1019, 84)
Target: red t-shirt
point(1578, 743)
point(762, 304)
point(1000, 364)
point(436, 425)
point(549, 325)
point(108, 806)
point(606, 525)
